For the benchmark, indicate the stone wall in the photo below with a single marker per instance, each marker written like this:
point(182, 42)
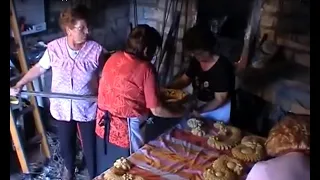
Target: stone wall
point(110, 28)
point(112, 25)
point(287, 23)
point(152, 12)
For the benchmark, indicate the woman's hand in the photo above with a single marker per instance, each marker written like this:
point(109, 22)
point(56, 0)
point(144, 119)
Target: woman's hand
point(195, 114)
point(15, 90)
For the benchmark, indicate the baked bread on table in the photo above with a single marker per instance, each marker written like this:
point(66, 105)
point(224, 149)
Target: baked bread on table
point(227, 162)
point(119, 171)
point(109, 175)
point(198, 132)
point(250, 138)
point(196, 127)
point(226, 138)
point(121, 166)
point(219, 174)
point(194, 123)
point(249, 151)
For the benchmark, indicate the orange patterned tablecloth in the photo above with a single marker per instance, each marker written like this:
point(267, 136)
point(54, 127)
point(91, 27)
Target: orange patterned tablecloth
point(175, 155)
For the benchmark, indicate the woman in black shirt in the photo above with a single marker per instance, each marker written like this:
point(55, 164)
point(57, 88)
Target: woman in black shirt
point(212, 76)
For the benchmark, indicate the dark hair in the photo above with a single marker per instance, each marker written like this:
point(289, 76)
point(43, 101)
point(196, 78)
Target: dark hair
point(141, 37)
point(69, 16)
point(199, 38)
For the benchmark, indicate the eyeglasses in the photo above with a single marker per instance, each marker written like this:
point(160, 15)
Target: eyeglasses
point(83, 29)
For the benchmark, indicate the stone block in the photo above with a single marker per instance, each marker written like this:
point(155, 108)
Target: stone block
point(177, 59)
point(269, 32)
point(303, 39)
point(153, 13)
point(148, 2)
point(268, 21)
point(270, 8)
point(302, 58)
point(181, 32)
point(179, 46)
point(140, 10)
point(117, 11)
point(289, 54)
point(291, 44)
point(162, 4)
point(295, 7)
point(274, 3)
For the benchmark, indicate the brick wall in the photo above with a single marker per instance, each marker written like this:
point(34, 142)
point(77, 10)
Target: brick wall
point(287, 23)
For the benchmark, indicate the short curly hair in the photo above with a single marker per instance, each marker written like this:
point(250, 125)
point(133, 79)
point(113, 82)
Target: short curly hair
point(289, 135)
point(69, 16)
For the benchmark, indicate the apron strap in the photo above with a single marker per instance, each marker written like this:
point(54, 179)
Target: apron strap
point(105, 121)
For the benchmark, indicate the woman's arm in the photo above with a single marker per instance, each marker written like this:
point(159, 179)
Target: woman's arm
point(186, 79)
point(32, 74)
point(180, 83)
point(220, 99)
point(153, 102)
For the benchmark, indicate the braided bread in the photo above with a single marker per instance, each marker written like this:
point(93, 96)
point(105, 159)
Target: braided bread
point(230, 163)
point(121, 166)
point(226, 138)
point(198, 132)
point(219, 174)
point(249, 151)
point(194, 123)
point(253, 138)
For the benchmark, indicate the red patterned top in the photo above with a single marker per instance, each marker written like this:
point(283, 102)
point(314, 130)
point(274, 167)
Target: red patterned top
point(127, 88)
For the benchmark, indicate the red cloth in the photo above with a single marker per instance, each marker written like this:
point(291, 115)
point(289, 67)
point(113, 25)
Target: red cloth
point(127, 88)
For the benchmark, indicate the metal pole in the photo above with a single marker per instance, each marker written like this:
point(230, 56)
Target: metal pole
point(60, 95)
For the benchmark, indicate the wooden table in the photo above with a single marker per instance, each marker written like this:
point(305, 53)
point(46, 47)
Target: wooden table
point(176, 154)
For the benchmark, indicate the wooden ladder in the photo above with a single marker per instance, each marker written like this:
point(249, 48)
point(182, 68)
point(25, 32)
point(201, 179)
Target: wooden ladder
point(16, 137)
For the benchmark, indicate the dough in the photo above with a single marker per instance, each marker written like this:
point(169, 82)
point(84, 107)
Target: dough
point(198, 132)
point(253, 138)
point(109, 175)
point(216, 142)
point(226, 138)
point(121, 166)
point(194, 123)
point(249, 152)
point(219, 174)
point(173, 95)
point(128, 176)
point(218, 124)
point(230, 163)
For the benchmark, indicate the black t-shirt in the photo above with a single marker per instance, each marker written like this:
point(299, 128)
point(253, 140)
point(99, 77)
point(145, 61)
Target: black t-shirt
point(219, 78)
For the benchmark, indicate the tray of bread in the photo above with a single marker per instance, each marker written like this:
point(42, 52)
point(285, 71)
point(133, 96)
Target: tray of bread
point(238, 149)
point(173, 95)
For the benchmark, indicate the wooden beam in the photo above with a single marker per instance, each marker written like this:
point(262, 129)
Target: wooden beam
point(18, 145)
point(24, 68)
